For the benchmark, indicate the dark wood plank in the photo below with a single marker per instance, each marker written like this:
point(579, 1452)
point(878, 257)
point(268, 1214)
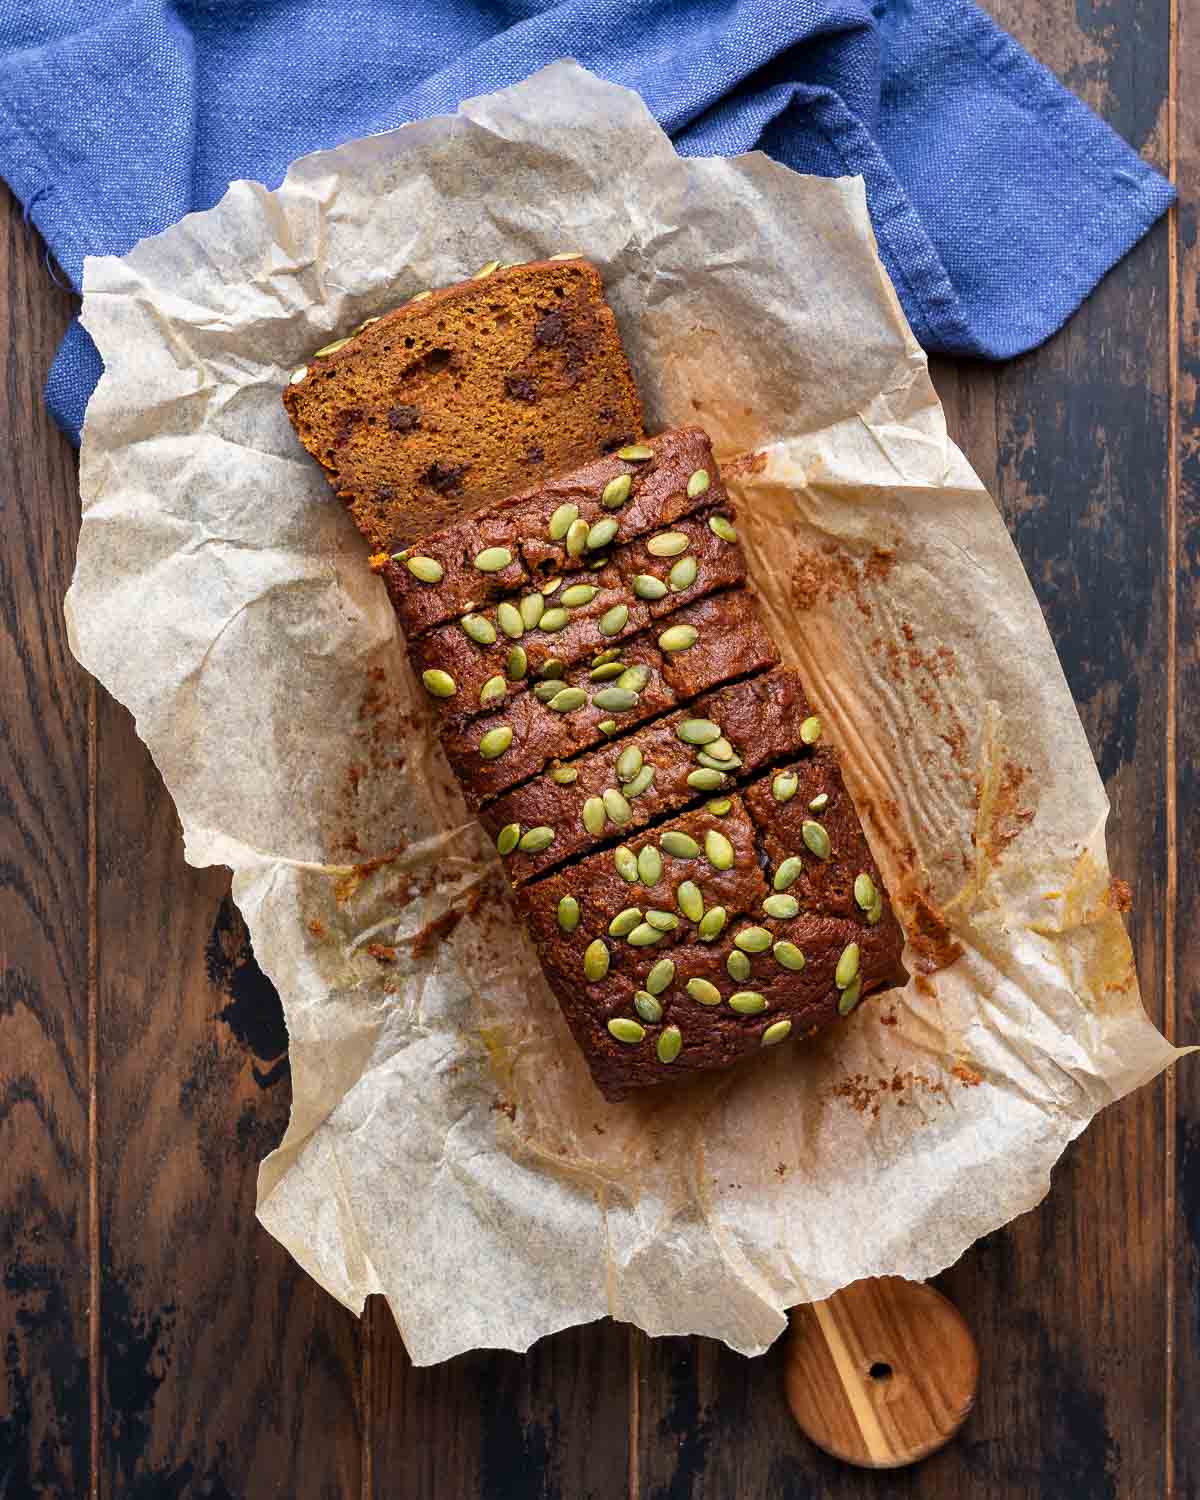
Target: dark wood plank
point(1069, 1303)
point(45, 1415)
point(552, 1424)
point(1185, 997)
point(226, 1370)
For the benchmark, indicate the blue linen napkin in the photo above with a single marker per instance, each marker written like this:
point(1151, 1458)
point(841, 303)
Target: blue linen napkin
point(998, 199)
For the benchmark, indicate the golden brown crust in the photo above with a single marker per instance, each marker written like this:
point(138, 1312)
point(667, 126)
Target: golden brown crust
point(459, 399)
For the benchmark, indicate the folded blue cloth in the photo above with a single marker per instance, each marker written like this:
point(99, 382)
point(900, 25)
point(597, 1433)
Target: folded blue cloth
point(998, 199)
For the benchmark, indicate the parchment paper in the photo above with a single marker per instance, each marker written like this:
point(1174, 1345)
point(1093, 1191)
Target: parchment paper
point(446, 1146)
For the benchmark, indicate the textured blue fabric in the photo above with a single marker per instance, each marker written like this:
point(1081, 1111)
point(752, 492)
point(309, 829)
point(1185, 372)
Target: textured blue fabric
point(998, 199)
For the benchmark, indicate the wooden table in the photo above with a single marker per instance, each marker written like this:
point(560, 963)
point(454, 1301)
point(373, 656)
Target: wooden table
point(157, 1343)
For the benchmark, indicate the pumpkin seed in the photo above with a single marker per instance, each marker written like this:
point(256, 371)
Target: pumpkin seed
point(564, 775)
point(624, 922)
point(649, 863)
point(613, 620)
point(788, 956)
point(567, 255)
point(492, 692)
point(648, 1007)
point(810, 730)
point(493, 559)
point(753, 939)
point(617, 699)
point(778, 1032)
point(597, 562)
point(721, 750)
point(816, 839)
point(626, 863)
point(595, 960)
point(691, 902)
point(697, 483)
point(615, 805)
point(847, 967)
point(593, 816)
point(643, 935)
point(578, 595)
point(697, 731)
point(508, 617)
point(679, 844)
point(737, 966)
point(427, 569)
point(784, 786)
point(635, 452)
point(577, 535)
point(506, 839)
point(646, 586)
point(640, 782)
point(819, 803)
point(876, 912)
point(683, 574)
point(495, 742)
point(420, 296)
point(553, 620)
point(703, 992)
point(517, 664)
point(603, 658)
point(492, 265)
point(788, 872)
point(560, 521)
point(712, 924)
point(627, 1030)
point(668, 544)
point(864, 891)
point(607, 672)
point(748, 1002)
point(479, 629)
point(722, 527)
point(439, 684)
point(705, 759)
point(670, 1043)
point(550, 585)
point(298, 375)
point(568, 913)
point(678, 638)
point(718, 850)
point(552, 668)
point(567, 700)
point(850, 996)
point(330, 348)
point(660, 976)
point(607, 726)
point(616, 492)
point(544, 691)
point(533, 607)
point(719, 806)
point(601, 533)
point(781, 907)
point(535, 840)
point(662, 921)
point(629, 763)
point(706, 779)
point(634, 678)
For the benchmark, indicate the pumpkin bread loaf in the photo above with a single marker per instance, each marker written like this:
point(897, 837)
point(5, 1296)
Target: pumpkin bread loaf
point(466, 395)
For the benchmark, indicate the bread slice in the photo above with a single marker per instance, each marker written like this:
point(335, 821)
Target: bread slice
point(466, 395)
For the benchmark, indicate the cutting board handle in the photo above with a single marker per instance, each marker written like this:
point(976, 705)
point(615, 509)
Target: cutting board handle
point(881, 1374)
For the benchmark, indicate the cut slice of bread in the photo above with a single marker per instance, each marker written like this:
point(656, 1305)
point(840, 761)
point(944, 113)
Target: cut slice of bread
point(465, 395)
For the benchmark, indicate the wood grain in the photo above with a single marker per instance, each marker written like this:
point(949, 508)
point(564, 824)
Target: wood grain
point(224, 1367)
point(1184, 1000)
point(45, 1406)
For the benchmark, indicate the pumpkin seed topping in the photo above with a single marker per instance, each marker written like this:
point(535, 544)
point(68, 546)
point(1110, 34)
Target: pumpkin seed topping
point(648, 1007)
point(533, 607)
point(578, 595)
point(616, 699)
point(788, 956)
point(627, 1030)
point(506, 839)
point(642, 936)
point(719, 806)
point(691, 902)
point(788, 872)
point(635, 453)
point(479, 629)
point(718, 850)
point(493, 559)
point(626, 863)
point(678, 638)
point(668, 544)
point(816, 839)
point(670, 1044)
point(810, 730)
point(439, 684)
point(561, 520)
point(724, 528)
point(613, 620)
point(564, 775)
point(646, 586)
point(594, 816)
point(748, 1002)
point(781, 907)
point(616, 492)
point(577, 535)
point(629, 763)
point(697, 483)
point(427, 569)
point(850, 996)
point(649, 864)
point(660, 976)
point(568, 913)
point(567, 700)
point(697, 731)
point(777, 1032)
point(554, 620)
point(712, 924)
point(624, 922)
point(495, 742)
point(640, 783)
point(492, 692)
point(615, 805)
point(679, 844)
point(737, 966)
point(702, 991)
point(595, 960)
point(864, 891)
point(508, 617)
point(516, 664)
point(607, 672)
point(784, 786)
point(683, 574)
point(847, 967)
point(601, 533)
point(535, 840)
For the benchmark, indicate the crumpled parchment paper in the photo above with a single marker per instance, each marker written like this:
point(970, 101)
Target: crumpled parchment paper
point(446, 1146)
